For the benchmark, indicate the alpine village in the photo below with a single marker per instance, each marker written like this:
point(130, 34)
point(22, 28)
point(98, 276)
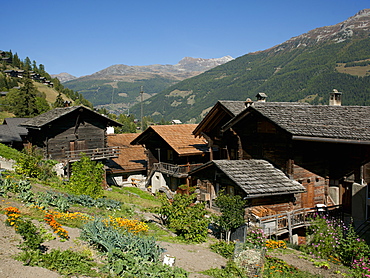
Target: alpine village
point(257, 167)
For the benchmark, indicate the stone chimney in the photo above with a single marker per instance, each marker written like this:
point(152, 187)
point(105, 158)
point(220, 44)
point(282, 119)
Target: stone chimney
point(261, 97)
point(248, 102)
point(335, 98)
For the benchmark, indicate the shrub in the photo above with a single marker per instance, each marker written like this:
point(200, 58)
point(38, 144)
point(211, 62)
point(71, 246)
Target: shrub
point(333, 240)
point(186, 219)
point(223, 248)
point(32, 164)
point(87, 178)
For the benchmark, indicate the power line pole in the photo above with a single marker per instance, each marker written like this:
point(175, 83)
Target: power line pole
point(141, 98)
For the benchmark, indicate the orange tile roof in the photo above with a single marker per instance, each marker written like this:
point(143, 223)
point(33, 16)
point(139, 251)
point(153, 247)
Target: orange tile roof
point(181, 139)
point(131, 157)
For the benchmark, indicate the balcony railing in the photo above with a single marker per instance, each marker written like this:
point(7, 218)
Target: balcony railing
point(179, 171)
point(93, 154)
point(285, 222)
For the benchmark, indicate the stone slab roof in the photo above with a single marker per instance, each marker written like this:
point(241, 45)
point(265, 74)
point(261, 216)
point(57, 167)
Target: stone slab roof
point(11, 131)
point(234, 106)
point(56, 113)
point(15, 124)
point(256, 177)
point(131, 157)
point(337, 122)
point(7, 135)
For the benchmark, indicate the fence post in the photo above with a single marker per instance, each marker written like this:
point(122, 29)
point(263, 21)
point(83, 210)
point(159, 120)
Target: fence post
point(288, 214)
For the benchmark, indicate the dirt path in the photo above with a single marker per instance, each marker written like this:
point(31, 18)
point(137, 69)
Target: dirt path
point(193, 258)
point(296, 258)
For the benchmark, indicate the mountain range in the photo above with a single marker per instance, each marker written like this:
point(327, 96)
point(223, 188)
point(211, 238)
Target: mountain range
point(304, 68)
point(119, 86)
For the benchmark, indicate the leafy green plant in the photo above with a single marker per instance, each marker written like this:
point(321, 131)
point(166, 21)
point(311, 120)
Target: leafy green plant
point(223, 248)
point(66, 262)
point(107, 239)
point(33, 165)
point(87, 177)
point(277, 268)
point(255, 238)
point(130, 265)
point(230, 271)
point(186, 219)
point(10, 153)
point(232, 209)
point(332, 240)
point(30, 234)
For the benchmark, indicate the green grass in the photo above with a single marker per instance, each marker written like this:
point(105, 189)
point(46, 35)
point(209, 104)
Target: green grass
point(9, 153)
point(134, 196)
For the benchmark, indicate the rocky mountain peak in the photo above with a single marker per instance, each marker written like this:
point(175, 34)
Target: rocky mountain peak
point(353, 26)
point(63, 77)
point(200, 64)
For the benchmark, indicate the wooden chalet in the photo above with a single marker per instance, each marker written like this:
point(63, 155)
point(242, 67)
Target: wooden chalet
point(66, 133)
point(131, 161)
point(172, 151)
point(14, 73)
point(257, 181)
point(323, 147)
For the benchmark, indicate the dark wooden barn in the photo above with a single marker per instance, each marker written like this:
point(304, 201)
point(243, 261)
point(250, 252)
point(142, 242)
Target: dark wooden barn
point(65, 133)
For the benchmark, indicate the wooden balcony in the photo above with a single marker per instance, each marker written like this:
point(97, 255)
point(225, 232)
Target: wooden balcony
point(178, 171)
point(93, 154)
point(285, 222)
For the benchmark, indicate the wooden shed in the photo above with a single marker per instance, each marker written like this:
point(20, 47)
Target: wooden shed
point(256, 180)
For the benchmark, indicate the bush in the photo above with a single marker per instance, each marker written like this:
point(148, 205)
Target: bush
point(223, 248)
point(331, 239)
point(32, 165)
point(184, 217)
point(87, 178)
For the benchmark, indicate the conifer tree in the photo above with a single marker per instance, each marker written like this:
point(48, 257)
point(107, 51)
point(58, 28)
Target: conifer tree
point(22, 102)
point(27, 64)
point(59, 102)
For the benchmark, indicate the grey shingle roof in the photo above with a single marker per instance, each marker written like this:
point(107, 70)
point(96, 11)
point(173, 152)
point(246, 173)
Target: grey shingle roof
point(10, 131)
point(256, 177)
point(56, 113)
point(14, 124)
point(339, 122)
point(7, 135)
point(234, 106)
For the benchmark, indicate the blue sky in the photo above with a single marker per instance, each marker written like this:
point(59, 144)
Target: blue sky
point(82, 37)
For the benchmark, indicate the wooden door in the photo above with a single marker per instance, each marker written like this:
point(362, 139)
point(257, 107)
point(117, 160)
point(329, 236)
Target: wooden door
point(308, 197)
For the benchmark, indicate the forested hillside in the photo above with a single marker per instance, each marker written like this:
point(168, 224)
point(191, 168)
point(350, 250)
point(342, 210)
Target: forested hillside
point(28, 90)
point(305, 68)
